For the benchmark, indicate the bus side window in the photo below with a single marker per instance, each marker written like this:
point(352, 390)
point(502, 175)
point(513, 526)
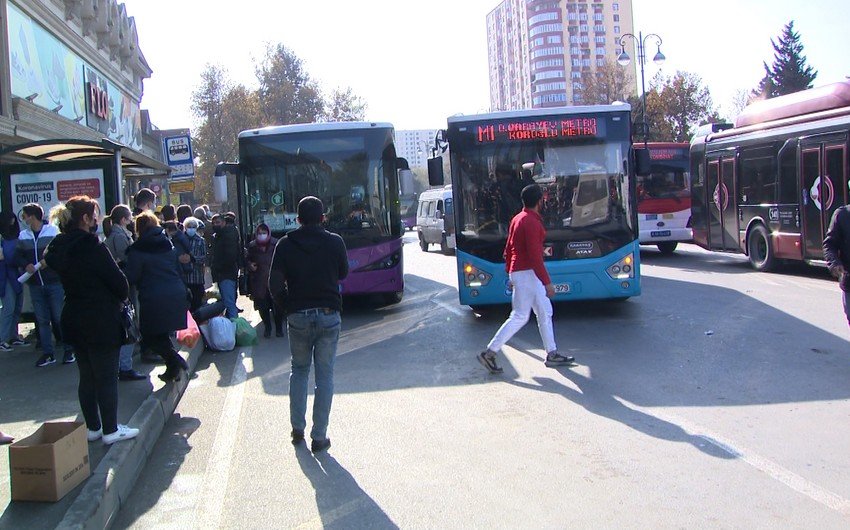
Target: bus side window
point(757, 176)
point(788, 176)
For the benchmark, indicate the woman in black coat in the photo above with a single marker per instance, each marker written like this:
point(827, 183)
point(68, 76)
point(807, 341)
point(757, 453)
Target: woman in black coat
point(95, 289)
point(153, 267)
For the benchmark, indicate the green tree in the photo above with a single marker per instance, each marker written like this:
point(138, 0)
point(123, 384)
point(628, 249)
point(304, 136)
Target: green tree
point(611, 82)
point(343, 105)
point(789, 72)
point(287, 93)
point(674, 106)
point(222, 111)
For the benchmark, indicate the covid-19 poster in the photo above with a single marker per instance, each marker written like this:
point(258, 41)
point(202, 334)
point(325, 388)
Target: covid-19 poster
point(49, 188)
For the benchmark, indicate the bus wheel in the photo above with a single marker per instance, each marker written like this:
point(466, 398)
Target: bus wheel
point(422, 244)
point(667, 247)
point(393, 298)
point(760, 250)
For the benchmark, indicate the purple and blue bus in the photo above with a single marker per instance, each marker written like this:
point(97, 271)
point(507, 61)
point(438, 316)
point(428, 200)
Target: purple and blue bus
point(352, 167)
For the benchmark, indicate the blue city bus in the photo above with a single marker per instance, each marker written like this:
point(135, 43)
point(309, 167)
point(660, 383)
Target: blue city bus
point(583, 159)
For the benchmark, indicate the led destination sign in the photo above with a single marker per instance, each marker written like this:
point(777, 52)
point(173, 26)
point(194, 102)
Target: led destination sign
point(518, 131)
point(667, 153)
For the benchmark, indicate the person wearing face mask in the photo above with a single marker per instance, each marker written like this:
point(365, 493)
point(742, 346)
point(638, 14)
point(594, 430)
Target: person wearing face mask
point(95, 289)
point(116, 228)
point(198, 250)
point(44, 286)
point(260, 254)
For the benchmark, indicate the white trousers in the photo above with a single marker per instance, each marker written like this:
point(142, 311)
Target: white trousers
point(529, 294)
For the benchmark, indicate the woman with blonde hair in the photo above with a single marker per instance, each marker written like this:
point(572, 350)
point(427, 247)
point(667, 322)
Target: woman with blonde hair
point(95, 289)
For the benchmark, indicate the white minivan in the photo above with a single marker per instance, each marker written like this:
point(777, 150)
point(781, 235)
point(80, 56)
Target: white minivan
point(435, 219)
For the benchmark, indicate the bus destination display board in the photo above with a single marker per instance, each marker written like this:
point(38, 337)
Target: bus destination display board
point(667, 153)
point(575, 128)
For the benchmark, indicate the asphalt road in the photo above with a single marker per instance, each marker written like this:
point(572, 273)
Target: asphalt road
point(718, 398)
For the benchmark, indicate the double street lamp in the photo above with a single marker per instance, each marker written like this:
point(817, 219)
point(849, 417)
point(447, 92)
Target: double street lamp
point(624, 59)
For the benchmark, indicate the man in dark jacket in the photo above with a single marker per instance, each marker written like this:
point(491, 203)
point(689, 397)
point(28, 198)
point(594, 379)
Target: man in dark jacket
point(227, 256)
point(836, 252)
point(46, 291)
point(308, 264)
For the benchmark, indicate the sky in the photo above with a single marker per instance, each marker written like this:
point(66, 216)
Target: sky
point(416, 63)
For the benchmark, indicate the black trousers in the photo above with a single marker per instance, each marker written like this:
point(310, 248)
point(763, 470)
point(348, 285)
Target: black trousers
point(267, 310)
point(161, 345)
point(98, 389)
point(197, 292)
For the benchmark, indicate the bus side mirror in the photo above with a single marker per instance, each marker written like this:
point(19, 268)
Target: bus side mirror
point(435, 171)
point(220, 179)
point(405, 182)
point(642, 162)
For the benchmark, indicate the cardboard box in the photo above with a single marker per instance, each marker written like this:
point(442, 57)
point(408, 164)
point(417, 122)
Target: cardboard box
point(48, 464)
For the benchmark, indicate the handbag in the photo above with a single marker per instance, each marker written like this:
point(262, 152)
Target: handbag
point(243, 283)
point(132, 334)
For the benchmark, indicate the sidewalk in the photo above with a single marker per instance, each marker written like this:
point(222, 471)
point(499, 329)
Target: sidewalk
point(30, 396)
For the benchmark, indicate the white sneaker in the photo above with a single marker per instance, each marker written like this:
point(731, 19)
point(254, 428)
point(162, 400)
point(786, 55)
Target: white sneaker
point(95, 435)
point(123, 433)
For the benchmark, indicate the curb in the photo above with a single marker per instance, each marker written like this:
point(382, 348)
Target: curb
point(113, 479)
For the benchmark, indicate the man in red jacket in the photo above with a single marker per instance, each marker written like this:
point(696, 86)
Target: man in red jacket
point(532, 287)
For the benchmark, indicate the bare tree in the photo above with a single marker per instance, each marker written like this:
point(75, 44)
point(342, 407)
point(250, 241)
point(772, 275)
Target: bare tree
point(343, 105)
point(611, 82)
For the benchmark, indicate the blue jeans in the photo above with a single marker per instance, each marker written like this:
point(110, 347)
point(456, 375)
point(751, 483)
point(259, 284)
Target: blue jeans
point(844, 302)
point(10, 315)
point(227, 288)
point(313, 336)
point(47, 302)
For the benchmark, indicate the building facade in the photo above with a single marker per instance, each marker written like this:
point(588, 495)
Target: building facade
point(71, 75)
point(415, 146)
point(541, 52)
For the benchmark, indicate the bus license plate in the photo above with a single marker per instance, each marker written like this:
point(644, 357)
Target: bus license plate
point(660, 233)
point(652, 217)
point(561, 288)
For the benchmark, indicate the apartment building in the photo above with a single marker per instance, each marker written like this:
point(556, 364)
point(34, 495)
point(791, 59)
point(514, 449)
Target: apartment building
point(415, 145)
point(542, 51)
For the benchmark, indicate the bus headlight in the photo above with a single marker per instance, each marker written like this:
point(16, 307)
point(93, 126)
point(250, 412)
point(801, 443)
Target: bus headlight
point(387, 262)
point(623, 269)
point(475, 277)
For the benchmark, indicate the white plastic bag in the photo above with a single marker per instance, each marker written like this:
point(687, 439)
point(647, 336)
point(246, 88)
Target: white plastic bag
point(219, 334)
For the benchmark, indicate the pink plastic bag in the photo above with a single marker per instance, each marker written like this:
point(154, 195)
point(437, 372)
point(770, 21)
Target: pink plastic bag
point(189, 337)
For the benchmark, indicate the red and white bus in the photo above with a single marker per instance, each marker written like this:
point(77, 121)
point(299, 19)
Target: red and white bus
point(664, 197)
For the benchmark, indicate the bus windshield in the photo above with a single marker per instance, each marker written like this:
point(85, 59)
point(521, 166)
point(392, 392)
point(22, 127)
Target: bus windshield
point(585, 191)
point(667, 187)
point(353, 172)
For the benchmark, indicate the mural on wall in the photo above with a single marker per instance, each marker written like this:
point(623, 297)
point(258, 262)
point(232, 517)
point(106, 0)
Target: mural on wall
point(44, 67)
point(47, 73)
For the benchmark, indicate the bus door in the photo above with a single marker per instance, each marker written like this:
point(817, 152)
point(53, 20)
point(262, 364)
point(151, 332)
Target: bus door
point(824, 182)
point(720, 190)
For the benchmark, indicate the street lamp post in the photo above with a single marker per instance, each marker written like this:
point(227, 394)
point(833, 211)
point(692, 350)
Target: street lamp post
point(624, 59)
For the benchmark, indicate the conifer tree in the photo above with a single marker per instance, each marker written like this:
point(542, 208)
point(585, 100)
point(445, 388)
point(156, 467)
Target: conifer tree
point(789, 72)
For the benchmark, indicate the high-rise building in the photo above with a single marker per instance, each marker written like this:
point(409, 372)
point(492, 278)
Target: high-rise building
point(542, 51)
point(415, 146)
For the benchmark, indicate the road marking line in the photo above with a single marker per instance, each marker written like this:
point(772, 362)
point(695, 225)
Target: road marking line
point(208, 510)
point(454, 309)
point(775, 471)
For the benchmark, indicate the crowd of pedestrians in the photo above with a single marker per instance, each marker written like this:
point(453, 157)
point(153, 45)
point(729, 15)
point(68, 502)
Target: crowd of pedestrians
point(160, 260)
